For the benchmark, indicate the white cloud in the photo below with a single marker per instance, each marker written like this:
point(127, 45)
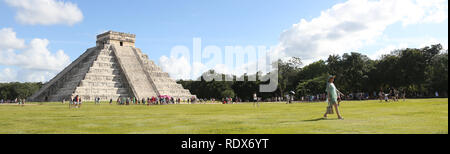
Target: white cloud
point(8, 75)
point(402, 43)
point(434, 11)
point(181, 68)
point(353, 24)
point(34, 61)
point(25, 75)
point(251, 67)
point(46, 12)
point(178, 68)
point(9, 40)
point(387, 50)
point(35, 56)
point(432, 41)
point(30, 75)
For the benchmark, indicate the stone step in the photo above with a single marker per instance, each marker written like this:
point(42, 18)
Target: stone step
point(162, 80)
point(71, 85)
point(134, 71)
point(110, 55)
point(101, 90)
point(99, 70)
point(65, 92)
point(168, 84)
point(105, 53)
point(103, 77)
point(103, 97)
point(103, 94)
point(111, 84)
point(104, 64)
point(159, 74)
point(112, 74)
point(105, 59)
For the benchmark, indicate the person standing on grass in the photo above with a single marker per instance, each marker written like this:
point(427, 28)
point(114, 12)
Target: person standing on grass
point(76, 101)
point(79, 103)
point(396, 95)
point(404, 95)
point(386, 96)
point(71, 102)
point(287, 99)
point(332, 93)
point(255, 100)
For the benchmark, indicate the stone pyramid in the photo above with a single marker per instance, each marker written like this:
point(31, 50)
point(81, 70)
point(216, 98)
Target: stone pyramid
point(112, 69)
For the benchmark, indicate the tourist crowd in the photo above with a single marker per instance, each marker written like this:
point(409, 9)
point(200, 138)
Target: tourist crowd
point(160, 100)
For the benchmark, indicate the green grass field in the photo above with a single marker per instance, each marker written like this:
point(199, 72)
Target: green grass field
point(423, 116)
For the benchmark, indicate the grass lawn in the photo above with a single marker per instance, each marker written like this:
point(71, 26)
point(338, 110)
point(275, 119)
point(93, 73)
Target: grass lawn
point(414, 116)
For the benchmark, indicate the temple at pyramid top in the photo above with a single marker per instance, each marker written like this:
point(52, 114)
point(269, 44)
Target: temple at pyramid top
point(112, 69)
point(116, 38)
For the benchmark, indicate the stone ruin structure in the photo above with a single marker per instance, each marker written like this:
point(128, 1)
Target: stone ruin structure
point(114, 68)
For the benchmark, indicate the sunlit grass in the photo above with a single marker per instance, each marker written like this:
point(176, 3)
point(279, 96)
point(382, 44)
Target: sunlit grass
point(413, 116)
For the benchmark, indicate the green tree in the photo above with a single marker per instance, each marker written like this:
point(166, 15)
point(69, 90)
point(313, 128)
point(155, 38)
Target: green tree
point(15, 90)
point(288, 75)
point(227, 93)
point(438, 73)
point(313, 86)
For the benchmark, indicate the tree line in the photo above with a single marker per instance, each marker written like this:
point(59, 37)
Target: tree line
point(418, 72)
point(13, 90)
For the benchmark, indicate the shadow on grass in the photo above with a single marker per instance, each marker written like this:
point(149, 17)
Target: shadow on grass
point(317, 119)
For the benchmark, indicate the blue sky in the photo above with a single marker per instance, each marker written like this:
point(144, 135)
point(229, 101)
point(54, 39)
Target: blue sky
point(163, 24)
point(160, 25)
